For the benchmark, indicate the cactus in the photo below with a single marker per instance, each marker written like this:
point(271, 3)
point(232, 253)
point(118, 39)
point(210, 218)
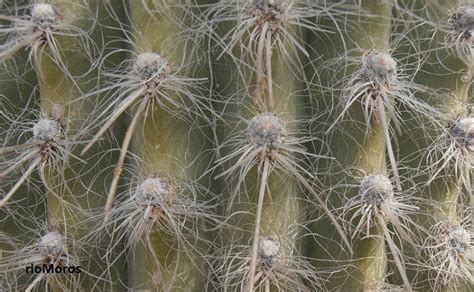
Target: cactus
point(236, 145)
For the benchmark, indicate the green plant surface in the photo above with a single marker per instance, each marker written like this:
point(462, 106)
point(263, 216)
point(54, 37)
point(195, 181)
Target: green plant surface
point(236, 145)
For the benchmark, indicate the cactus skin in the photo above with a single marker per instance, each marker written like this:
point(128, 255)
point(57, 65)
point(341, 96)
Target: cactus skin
point(354, 149)
point(445, 71)
point(59, 88)
point(167, 145)
point(15, 95)
point(370, 252)
point(190, 146)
